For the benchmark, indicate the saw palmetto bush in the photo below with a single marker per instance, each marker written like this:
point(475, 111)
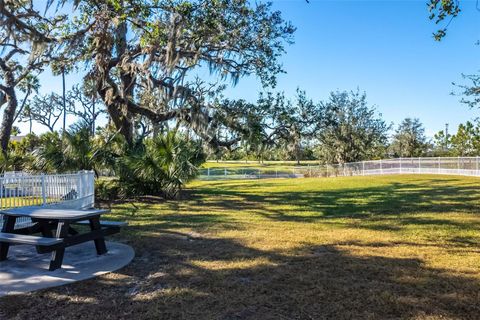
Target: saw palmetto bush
point(12, 161)
point(48, 157)
point(160, 165)
point(79, 148)
point(70, 151)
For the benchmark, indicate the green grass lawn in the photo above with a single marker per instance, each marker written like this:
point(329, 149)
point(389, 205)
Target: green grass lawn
point(384, 247)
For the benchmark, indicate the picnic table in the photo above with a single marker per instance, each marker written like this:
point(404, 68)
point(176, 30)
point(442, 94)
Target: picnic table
point(57, 229)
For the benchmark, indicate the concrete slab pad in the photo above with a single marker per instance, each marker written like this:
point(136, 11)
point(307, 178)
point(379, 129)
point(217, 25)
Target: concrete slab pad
point(26, 270)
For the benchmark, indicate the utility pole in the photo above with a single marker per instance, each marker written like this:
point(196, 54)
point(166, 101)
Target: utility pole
point(446, 137)
point(64, 101)
point(93, 115)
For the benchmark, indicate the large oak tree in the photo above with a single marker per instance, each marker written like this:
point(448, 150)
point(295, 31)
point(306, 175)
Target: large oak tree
point(351, 130)
point(26, 40)
point(133, 48)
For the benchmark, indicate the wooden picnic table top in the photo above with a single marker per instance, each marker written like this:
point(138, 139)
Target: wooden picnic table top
point(53, 213)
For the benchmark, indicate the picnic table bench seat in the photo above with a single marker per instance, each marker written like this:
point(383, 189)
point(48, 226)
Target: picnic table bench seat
point(56, 228)
point(14, 238)
point(105, 223)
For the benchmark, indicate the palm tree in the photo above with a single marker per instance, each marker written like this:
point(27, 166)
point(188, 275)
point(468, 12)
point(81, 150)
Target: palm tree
point(72, 151)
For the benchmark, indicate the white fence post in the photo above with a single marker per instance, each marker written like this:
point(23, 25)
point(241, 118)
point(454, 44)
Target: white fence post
point(90, 183)
point(44, 195)
point(476, 163)
point(80, 184)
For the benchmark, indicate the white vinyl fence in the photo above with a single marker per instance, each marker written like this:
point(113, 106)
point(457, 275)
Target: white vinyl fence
point(20, 189)
point(469, 166)
point(247, 173)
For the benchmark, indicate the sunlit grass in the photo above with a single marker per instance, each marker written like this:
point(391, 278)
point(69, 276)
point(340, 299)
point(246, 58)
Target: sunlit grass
point(11, 202)
point(383, 247)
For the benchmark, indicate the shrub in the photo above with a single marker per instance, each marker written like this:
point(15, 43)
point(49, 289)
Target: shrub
point(160, 165)
point(107, 189)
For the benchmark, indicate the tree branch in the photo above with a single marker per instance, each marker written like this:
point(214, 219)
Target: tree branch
point(24, 102)
point(22, 25)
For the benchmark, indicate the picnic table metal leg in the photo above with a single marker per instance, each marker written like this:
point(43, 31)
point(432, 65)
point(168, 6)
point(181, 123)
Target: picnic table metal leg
point(99, 242)
point(57, 255)
point(8, 227)
point(46, 231)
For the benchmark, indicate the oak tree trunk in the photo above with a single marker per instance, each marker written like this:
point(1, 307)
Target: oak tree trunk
point(121, 121)
point(8, 118)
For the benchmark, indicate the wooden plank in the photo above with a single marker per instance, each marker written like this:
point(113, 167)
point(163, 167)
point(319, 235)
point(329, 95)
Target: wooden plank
point(53, 213)
point(105, 223)
point(26, 239)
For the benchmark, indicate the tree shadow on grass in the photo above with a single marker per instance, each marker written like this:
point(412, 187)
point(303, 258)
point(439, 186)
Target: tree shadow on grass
point(395, 198)
point(389, 207)
point(175, 276)
point(182, 275)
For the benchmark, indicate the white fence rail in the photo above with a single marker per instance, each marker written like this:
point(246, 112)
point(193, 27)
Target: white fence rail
point(19, 189)
point(469, 166)
point(247, 173)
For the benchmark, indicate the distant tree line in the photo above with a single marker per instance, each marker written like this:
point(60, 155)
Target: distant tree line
point(344, 128)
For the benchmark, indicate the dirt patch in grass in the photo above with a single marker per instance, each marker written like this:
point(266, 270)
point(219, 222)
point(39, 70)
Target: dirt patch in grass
point(385, 248)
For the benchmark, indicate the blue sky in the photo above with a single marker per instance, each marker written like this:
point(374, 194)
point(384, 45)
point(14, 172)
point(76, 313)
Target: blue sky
point(382, 47)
